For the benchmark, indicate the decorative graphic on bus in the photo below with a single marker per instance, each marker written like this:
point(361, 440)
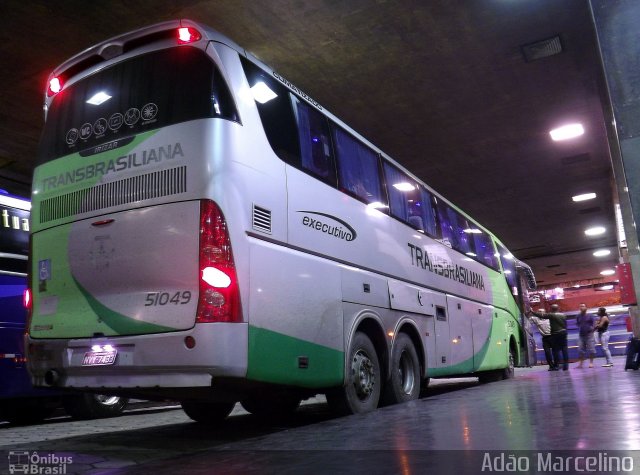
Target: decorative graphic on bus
point(337, 231)
point(125, 162)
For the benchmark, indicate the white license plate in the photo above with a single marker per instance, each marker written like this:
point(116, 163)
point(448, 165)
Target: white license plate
point(99, 358)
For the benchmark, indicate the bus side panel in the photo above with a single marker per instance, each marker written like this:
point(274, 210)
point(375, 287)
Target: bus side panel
point(295, 317)
point(497, 349)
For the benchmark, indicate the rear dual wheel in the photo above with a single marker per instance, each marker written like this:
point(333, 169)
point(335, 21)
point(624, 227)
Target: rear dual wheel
point(207, 412)
point(404, 380)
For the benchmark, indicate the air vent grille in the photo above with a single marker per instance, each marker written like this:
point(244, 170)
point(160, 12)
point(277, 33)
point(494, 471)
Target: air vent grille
point(261, 219)
point(117, 193)
point(542, 49)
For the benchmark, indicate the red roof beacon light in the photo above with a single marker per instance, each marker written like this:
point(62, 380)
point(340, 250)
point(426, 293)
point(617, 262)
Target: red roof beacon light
point(55, 86)
point(188, 35)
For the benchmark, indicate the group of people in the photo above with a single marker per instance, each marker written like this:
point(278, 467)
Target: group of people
point(553, 329)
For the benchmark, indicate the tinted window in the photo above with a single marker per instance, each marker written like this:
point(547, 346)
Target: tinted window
point(358, 172)
point(509, 268)
point(277, 116)
point(409, 202)
point(149, 91)
point(14, 239)
point(315, 144)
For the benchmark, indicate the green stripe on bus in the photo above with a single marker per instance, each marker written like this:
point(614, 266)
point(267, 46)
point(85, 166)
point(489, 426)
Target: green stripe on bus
point(121, 324)
point(275, 358)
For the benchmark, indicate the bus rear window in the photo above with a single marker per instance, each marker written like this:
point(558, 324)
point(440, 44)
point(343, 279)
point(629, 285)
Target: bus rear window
point(136, 95)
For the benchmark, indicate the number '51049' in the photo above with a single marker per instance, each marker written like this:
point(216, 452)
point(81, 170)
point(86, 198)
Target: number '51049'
point(166, 298)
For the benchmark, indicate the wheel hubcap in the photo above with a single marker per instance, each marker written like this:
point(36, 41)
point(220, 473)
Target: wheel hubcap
point(363, 371)
point(406, 370)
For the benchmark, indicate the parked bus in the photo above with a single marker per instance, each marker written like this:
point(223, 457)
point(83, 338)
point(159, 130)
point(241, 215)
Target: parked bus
point(19, 401)
point(205, 231)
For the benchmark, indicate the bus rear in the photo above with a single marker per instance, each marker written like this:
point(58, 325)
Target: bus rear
point(133, 274)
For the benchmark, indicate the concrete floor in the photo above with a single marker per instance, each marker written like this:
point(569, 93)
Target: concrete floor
point(453, 429)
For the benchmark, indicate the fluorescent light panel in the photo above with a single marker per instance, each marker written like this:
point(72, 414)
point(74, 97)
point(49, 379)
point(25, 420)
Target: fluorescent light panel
point(99, 98)
point(262, 93)
point(602, 252)
point(596, 231)
point(15, 202)
point(566, 132)
point(583, 197)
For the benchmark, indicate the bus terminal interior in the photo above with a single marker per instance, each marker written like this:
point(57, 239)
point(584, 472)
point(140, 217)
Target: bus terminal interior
point(524, 114)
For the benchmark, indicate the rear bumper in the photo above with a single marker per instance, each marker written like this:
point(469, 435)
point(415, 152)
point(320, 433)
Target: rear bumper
point(144, 361)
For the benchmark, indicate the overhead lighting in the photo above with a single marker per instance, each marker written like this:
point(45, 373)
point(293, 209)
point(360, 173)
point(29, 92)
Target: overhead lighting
point(608, 272)
point(602, 252)
point(377, 205)
point(99, 98)
point(605, 287)
point(472, 231)
point(596, 231)
point(404, 186)
point(262, 93)
point(566, 132)
point(584, 197)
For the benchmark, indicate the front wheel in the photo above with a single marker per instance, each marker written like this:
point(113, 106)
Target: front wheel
point(207, 412)
point(404, 383)
point(510, 371)
point(364, 379)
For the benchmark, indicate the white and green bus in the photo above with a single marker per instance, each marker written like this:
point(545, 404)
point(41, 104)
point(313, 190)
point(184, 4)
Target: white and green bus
point(203, 230)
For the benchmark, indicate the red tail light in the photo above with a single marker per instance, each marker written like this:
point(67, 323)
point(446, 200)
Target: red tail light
point(55, 86)
point(219, 299)
point(26, 299)
point(188, 35)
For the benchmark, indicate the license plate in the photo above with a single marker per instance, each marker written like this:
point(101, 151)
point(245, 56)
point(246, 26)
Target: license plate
point(99, 358)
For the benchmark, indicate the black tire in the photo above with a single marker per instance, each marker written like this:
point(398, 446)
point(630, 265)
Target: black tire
point(510, 371)
point(364, 380)
point(28, 411)
point(207, 412)
point(403, 384)
point(93, 406)
point(272, 404)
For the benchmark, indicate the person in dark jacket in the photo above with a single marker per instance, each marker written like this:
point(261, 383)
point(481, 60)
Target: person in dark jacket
point(602, 335)
point(558, 323)
point(586, 342)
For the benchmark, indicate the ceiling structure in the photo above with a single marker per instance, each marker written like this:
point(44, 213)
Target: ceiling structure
point(445, 87)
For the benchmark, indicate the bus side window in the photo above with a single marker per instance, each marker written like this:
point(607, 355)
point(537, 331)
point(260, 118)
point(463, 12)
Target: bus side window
point(429, 213)
point(315, 145)
point(403, 195)
point(358, 171)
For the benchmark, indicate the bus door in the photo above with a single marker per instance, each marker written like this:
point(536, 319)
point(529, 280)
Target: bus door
point(527, 341)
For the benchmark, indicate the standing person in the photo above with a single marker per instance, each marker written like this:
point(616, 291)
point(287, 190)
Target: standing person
point(602, 335)
point(586, 342)
point(558, 323)
point(544, 327)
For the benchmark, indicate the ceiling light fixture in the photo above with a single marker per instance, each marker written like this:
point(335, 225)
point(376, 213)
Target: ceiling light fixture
point(404, 186)
point(608, 272)
point(596, 231)
point(566, 132)
point(583, 197)
point(602, 252)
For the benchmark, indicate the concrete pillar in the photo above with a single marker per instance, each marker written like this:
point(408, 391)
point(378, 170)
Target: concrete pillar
point(617, 24)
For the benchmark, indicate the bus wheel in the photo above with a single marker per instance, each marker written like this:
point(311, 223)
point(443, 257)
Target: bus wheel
point(404, 383)
point(93, 406)
point(362, 392)
point(207, 412)
point(277, 404)
point(510, 371)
